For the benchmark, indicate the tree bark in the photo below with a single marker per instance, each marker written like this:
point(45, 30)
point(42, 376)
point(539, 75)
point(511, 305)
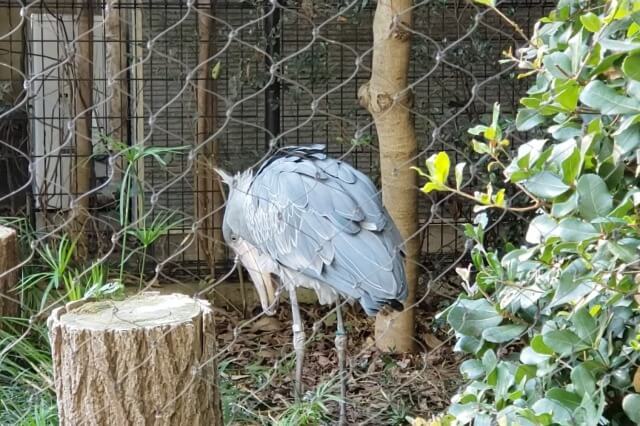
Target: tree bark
point(9, 297)
point(389, 101)
point(83, 102)
point(208, 195)
point(149, 359)
point(116, 30)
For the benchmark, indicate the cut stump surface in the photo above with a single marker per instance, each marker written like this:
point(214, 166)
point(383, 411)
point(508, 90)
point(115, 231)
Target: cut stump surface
point(146, 360)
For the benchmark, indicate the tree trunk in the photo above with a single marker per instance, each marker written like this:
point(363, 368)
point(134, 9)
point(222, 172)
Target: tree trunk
point(208, 194)
point(389, 101)
point(9, 297)
point(83, 103)
point(116, 30)
point(149, 359)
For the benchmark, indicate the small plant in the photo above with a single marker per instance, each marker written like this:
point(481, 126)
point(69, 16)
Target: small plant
point(133, 185)
point(312, 410)
point(551, 327)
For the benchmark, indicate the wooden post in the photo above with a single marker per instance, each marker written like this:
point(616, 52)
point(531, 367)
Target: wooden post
point(116, 31)
point(83, 101)
point(149, 359)
point(208, 189)
point(9, 297)
point(388, 101)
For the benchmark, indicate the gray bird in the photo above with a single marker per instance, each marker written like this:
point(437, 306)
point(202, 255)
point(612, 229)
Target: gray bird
point(314, 222)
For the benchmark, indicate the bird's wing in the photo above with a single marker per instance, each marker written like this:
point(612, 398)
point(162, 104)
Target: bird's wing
point(324, 219)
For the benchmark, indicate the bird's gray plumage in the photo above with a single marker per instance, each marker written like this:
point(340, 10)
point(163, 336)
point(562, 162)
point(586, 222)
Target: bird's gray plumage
point(317, 222)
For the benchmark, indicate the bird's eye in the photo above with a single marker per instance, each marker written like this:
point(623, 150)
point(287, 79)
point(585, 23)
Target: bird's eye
point(234, 237)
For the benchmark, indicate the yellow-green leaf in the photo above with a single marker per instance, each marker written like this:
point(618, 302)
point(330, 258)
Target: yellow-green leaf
point(591, 22)
point(480, 147)
point(568, 96)
point(432, 186)
point(438, 165)
point(490, 3)
point(498, 200)
point(215, 70)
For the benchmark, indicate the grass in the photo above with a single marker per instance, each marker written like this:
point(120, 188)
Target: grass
point(26, 392)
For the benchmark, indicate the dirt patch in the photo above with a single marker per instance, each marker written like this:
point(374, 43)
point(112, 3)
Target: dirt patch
point(257, 361)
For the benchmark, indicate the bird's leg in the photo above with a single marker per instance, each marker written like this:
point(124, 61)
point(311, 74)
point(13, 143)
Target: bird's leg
point(341, 348)
point(298, 340)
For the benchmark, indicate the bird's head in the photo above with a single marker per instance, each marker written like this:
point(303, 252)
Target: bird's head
point(237, 236)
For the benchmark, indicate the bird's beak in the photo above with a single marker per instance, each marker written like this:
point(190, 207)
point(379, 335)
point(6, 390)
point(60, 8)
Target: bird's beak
point(262, 280)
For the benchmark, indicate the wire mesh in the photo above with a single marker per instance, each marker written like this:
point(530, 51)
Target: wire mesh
point(142, 122)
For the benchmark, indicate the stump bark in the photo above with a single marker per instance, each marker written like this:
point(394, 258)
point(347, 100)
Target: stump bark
point(146, 360)
point(9, 274)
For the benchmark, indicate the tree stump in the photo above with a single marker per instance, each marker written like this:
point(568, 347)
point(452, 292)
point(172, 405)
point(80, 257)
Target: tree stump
point(9, 297)
point(146, 360)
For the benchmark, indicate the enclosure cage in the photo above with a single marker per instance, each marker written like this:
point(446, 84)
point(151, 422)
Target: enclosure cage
point(233, 78)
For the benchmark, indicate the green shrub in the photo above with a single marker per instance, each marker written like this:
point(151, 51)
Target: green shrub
point(552, 328)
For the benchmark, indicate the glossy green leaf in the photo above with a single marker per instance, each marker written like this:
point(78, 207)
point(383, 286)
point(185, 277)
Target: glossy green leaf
point(503, 333)
point(538, 345)
point(545, 185)
point(607, 101)
point(489, 361)
point(471, 317)
point(540, 228)
point(594, 199)
point(620, 45)
point(583, 380)
point(558, 64)
point(631, 67)
point(527, 119)
point(530, 357)
point(631, 407)
point(472, 369)
point(585, 325)
point(574, 230)
point(563, 342)
point(572, 166)
point(570, 289)
point(563, 208)
point(560, 413)
point(627, 141)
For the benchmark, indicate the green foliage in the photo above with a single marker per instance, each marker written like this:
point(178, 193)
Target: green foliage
point(312, 410)
point(26, 392)
point(132, 185)
point(551, 328)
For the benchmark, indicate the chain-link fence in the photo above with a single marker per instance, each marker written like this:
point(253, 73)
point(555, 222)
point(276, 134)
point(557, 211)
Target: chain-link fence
point(114, 115)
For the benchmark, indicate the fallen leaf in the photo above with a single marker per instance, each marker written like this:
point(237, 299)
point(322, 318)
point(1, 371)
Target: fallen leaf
point(240, 376)
point(431, 341)
point(267, 353)
point(323, 361)
point(419, 421)
point(266, 323)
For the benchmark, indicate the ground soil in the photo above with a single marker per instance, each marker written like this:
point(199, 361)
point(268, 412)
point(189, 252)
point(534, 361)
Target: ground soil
point(257, 366)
